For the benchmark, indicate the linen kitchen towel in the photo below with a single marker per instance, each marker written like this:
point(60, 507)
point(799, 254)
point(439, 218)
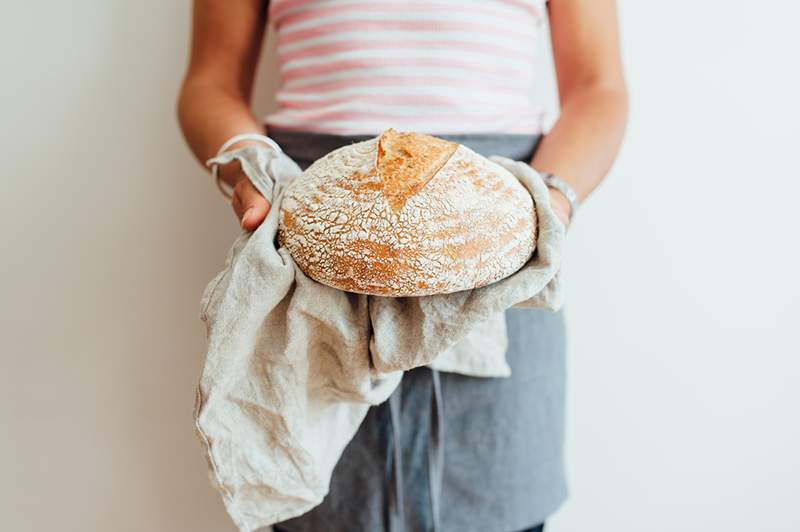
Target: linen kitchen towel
point(292, 365)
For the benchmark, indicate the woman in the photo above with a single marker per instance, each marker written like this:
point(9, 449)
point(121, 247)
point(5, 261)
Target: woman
point(465, 71)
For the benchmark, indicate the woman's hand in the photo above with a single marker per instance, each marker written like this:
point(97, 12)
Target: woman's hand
point(560, 205)
point(249, 205)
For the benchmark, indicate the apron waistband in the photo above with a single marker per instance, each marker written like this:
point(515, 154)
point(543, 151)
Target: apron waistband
point(305, 147)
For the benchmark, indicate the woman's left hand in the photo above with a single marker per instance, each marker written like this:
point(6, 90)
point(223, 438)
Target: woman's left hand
point(561, 206)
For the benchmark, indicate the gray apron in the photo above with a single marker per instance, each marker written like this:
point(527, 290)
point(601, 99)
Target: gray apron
point(448, 452)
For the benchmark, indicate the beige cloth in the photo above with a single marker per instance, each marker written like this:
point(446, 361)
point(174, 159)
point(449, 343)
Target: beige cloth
point(293, 365)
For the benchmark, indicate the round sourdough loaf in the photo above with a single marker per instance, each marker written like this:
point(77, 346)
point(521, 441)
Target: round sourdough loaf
point(407, 214)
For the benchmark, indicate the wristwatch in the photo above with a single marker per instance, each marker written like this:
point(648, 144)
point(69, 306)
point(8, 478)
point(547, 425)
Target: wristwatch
point(559, 184)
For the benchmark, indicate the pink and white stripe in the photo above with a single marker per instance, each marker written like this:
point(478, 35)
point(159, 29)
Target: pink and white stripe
point(442, 66)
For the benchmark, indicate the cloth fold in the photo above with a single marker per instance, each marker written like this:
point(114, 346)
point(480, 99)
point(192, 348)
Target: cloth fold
point(293, 365)
point(264, 167)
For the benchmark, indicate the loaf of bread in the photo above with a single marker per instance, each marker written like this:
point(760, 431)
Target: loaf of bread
point(407, 214)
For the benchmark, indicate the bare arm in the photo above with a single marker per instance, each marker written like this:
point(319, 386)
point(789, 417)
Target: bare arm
point(585, 139)
point(214, 100)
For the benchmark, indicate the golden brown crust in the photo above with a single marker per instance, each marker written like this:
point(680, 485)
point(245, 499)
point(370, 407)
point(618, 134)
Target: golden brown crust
point(407, 161)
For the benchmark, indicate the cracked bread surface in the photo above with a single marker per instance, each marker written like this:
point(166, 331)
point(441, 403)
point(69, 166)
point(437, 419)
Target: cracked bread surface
point(407, 214)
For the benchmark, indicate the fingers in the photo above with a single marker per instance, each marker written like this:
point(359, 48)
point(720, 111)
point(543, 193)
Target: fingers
point(249, 205)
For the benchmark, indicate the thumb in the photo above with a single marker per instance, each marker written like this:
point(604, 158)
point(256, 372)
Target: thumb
point(250, 206)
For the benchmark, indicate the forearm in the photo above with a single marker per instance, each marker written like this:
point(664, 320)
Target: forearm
point(209, 115)
point(585, 139)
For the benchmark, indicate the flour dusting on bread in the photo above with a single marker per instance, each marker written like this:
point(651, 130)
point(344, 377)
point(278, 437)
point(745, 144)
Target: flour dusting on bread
point(406, 214)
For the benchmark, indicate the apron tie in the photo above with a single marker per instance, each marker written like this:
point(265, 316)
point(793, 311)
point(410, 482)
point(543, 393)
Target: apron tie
point(435, 457)
point(436, 448)
point(396, 506)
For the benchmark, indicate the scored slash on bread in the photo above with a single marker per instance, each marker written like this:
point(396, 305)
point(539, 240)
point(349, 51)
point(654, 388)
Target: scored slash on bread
point(407, 161)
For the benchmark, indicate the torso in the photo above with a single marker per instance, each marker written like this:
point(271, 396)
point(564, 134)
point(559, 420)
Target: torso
point(352, 67)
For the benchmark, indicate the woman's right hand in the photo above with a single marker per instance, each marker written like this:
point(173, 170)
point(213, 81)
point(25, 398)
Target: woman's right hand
point(249, 205)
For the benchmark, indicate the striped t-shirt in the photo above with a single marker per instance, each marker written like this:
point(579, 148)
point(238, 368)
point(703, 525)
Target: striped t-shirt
point(354, 67)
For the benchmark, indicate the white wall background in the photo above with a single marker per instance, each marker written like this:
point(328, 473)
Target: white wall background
point(683, 298)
